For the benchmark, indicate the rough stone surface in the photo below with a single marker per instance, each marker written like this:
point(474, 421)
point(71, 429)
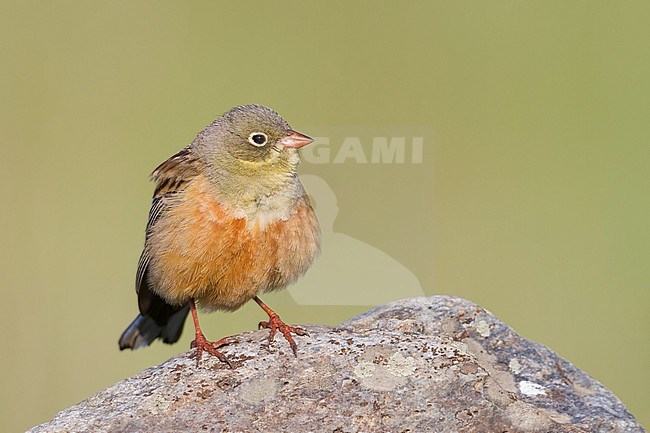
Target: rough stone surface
point(437, 364)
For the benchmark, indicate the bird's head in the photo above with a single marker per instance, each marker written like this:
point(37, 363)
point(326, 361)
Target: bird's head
point(254, 141)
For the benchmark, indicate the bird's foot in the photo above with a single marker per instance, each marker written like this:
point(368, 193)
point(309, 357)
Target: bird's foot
point(276, 324)
point(201, 344)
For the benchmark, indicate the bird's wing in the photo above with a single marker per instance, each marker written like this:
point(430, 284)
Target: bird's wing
point(173, 174)
point(171, 177)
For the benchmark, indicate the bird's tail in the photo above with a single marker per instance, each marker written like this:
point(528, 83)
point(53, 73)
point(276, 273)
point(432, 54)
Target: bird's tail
point(144, 330)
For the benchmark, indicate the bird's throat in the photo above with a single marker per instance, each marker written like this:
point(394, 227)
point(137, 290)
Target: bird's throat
point(260, 200)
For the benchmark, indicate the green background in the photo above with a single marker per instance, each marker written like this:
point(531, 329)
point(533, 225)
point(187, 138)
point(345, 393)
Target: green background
point(532, 199)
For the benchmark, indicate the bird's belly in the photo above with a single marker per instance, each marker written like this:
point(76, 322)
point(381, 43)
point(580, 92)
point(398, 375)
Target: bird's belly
point(200, 251)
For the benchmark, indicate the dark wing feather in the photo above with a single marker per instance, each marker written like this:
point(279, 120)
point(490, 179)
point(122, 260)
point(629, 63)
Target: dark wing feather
point(158, 206)
point(171, 177)
point(157, 318)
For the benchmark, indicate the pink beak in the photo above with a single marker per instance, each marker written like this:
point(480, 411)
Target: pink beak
point(295, 140)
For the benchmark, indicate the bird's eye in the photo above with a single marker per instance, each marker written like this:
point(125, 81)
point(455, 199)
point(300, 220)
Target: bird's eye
point(258, 139)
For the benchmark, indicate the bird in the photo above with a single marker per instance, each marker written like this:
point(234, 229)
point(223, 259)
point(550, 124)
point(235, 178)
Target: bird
point(229, 220)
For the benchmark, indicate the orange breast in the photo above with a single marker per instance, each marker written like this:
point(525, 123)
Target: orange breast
point(199, 249)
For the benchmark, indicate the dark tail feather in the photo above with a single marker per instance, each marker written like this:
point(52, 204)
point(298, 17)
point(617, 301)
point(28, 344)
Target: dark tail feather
point(144, 330)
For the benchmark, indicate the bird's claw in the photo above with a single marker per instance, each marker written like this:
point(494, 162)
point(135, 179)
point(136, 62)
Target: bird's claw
point(275, 324)
point(201, 344)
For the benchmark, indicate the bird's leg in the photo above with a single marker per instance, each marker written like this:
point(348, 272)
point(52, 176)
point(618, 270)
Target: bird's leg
point(202, 344)
point(276, 324)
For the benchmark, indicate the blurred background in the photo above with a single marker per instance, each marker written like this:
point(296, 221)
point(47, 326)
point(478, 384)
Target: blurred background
point(529, 195)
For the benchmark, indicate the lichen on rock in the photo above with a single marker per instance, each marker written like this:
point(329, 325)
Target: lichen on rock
point(438, 364)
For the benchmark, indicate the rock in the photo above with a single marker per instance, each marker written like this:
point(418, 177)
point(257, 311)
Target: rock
point(437, 364)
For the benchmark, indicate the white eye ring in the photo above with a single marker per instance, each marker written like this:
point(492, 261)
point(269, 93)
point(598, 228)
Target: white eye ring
point(258, 139)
